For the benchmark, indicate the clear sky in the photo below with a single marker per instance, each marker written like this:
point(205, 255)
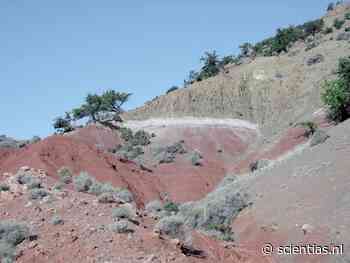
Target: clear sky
point(52, 53)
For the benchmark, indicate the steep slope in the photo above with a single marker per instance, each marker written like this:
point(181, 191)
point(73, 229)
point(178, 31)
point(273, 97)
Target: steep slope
point(301, 200)
point(270, 91)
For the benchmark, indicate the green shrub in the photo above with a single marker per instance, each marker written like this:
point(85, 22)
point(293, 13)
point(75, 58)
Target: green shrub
point(347, 16)
point(58, 186)
point(344, 70)
point(121, 213)
point(328, 30)
point(196, 159)
point(63, 124)
point(221, 231)
point(141, 138)
point(211, 65)
point(173, 226)
point(57, 220)
point(313, 27)
point(338, 23)
point(172, 89)
point(336, 96)
point(330, 7)
point(126, 134)
point(336, 93)
point(171, 207)
point(309, 126)
point(4, 187)
point(130, 152)
point(65, 175)
point(347, 29)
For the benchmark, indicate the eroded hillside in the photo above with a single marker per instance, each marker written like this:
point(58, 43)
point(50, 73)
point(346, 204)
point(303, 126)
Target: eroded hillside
point(270, 91)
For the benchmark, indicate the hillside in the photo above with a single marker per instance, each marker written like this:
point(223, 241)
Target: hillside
point(211, 173)
point(270, 91)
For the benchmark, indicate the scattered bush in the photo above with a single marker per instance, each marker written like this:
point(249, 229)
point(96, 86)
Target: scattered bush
point(336, 93)
point(57, 220)
point(141, 138)
point(63, 124)
point(125, 195)
point(313, 27)
point(168, 154)
point(309, 126)
point(330, 7)
point(121, 227)
point(347, 16)
point(83, 182)
point(126, 134)
point(106, 198)
point(65, 175)
point(154, 207)
point(328, 30)
point(12, 234)
point(173, 88)
point(38, 193)
point(171, 207)
point(29, 180)
point(35, 183)
point(336, 96)
point(121, 213)
point(4, 187)
point(130, 152)
point(58, 186)
point(222, 231)
point(347, 29)
point(196, 159)
point(24, 178)
point(219, 207)
point(173, 226)
point(338, 23)
point(211, 65)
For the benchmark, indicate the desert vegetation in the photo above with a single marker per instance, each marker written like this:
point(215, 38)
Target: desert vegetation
point(104, 109)
point(12, 233)
point(336, 93)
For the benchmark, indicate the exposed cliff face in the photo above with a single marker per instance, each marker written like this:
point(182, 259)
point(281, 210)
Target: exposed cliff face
point(270, 91)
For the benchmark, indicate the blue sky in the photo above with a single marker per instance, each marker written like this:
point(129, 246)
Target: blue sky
point(52, 53)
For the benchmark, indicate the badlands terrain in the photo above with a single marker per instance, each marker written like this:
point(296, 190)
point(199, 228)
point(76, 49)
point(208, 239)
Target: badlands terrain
point(230, 167)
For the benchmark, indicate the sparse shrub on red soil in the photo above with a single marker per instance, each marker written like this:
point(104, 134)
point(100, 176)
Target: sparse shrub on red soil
point(37, 194)
point(173, 226)
point(121, 227)
point(122, 213)
point(65, 175)
point(12, 234)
